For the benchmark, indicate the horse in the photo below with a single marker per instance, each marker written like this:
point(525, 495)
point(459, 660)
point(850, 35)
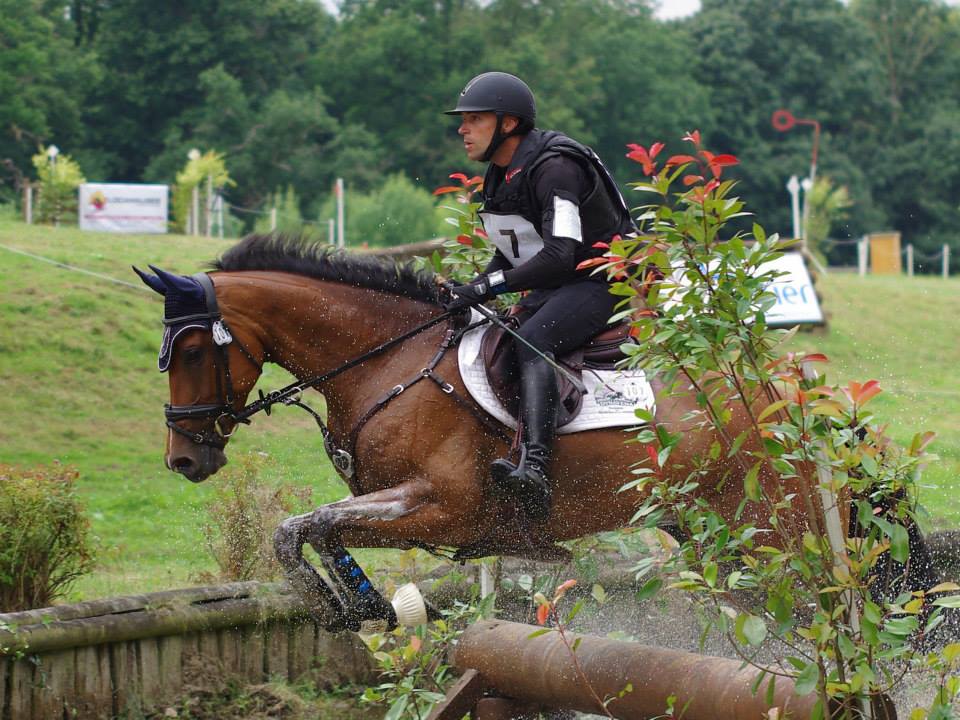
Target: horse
point(372, 337)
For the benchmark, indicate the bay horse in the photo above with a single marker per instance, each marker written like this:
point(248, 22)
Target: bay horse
point(372, 337)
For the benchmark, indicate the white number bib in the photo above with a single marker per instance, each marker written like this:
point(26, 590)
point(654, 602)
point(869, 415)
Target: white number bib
point(513, 235)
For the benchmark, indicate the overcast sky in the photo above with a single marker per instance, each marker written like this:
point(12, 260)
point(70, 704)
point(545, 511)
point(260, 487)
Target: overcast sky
point(667, 9)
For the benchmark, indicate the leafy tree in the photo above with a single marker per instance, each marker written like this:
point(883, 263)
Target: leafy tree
point(42, 81)
point(284, 139)
point(155, 53)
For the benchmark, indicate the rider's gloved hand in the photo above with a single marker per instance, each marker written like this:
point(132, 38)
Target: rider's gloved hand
point(469, 294)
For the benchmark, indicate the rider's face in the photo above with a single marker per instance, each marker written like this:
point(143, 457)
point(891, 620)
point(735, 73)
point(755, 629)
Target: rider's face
point(476, 129)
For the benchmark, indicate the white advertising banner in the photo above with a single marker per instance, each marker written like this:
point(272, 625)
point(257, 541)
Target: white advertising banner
point(796, 299)
point(115, 207)
point(797, 302)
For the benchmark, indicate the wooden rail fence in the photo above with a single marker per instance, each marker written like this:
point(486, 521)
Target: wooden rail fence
point(121, 657)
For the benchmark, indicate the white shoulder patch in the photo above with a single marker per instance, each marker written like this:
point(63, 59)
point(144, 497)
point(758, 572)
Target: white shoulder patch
point(566, 219)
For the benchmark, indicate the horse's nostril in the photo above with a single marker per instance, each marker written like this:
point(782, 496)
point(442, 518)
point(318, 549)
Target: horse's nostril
point(182, 464)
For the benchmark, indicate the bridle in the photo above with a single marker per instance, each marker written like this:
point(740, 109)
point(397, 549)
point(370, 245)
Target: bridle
point(288, 395)
point(224, 407)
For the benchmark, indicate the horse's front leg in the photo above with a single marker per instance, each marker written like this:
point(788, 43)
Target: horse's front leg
point(320, 598)
point(394, 517)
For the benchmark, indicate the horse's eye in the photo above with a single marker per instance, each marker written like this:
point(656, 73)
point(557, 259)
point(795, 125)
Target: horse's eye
point(193, 355)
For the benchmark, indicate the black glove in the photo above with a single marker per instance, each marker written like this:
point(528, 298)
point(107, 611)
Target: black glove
point(468, 295)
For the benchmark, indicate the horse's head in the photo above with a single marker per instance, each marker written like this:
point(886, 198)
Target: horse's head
point(209, 380)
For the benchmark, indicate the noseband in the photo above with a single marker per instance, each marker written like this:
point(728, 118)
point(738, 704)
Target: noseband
point(224, 408)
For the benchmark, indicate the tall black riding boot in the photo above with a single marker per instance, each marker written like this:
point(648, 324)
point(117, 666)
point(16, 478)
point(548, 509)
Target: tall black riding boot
point(528, 481)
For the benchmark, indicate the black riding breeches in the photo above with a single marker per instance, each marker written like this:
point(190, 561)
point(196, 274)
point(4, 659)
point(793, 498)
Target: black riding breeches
point(564, 319)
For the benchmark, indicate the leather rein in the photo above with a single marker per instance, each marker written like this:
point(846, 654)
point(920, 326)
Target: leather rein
point(343, 459)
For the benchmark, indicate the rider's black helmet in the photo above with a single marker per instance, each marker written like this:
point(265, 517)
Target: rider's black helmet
point(503, 94)
point(500, 93)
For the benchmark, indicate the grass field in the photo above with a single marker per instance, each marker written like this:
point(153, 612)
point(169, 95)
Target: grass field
point(79, 385)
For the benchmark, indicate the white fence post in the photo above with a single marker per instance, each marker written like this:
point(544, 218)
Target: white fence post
point(331, 231)
point(341, 240)
point(863, 250)
point(909, 259)
point(273, 219)
point(195, 211)
point(209, 206)
point(28, 203)
point(946, 261)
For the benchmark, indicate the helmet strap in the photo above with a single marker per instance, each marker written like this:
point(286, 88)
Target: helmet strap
point(496, 141)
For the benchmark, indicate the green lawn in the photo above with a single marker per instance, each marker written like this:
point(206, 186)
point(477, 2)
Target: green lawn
point(902, 332)
point(79, 379)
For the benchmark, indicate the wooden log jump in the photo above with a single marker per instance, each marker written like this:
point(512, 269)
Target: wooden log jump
point(123, 656)
point(527, 673)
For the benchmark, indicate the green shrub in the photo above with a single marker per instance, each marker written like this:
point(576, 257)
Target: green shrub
point(210, 165)
point(44, 536)
point(242, 515)
point(396, 213)
point(57, 184)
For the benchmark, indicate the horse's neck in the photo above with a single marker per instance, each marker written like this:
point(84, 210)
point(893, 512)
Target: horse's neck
point(310, 327)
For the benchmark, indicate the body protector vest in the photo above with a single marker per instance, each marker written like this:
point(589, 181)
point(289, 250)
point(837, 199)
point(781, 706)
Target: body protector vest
point(511, 213)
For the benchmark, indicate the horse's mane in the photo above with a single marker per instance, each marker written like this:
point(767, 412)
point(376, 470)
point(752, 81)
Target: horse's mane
point(296, 254)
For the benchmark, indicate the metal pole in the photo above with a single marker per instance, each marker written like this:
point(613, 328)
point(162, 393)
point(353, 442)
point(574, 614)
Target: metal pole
point(863, 247)
point(28, 203)
point(909, 259)
point(195, 213)
point(332, 231)
point(793, 186)
point(209, 205)
point(273, 219)
point(946, 261)
point(341, 240)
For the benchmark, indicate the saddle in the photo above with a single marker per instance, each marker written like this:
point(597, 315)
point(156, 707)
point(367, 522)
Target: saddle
point(601, 352)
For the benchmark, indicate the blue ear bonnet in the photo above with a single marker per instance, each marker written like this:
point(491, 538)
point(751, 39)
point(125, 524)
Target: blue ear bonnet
point(184, 308)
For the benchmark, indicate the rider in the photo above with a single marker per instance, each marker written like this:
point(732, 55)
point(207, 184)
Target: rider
point(546, 200)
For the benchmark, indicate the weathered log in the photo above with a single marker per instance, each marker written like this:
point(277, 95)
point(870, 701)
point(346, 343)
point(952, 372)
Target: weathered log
point(541, 669)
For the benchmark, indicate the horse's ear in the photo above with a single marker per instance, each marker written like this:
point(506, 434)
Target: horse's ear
point(179, 283)
point(151, 281)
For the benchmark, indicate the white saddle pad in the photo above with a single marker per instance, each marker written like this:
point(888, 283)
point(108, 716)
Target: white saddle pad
point(610, 401)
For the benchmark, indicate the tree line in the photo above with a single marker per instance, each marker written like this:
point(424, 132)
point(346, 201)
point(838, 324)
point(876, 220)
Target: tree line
point(295, 96)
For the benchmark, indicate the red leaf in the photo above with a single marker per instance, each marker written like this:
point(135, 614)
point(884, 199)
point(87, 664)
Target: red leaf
point(816, 357)
point(711, 186)
point(543, 612)
point(652, 454)
point(602, 245)
point(689, 180)
point(869, 390)
point(481, 233)
point(725, 160)
point(693, 137)
point(447, 189)
point(416, 643)
point(475, 180)
point(465, 240)
point(562, 589)
point(592, 262)
point(459, 176)
point(639, 154)
point(655, 149)
point(679, 160)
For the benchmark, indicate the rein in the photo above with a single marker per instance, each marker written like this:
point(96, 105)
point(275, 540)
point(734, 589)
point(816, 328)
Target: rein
point(288, 395)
